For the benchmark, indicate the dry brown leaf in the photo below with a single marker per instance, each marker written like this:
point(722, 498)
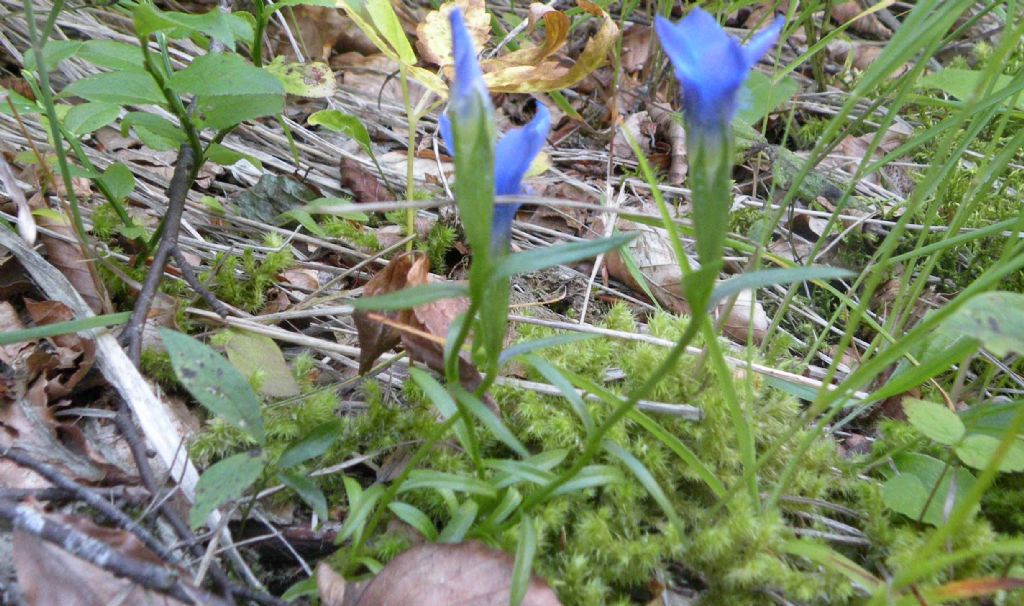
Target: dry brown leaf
point(27, 421)
point(420, 330)
point(322, 30)
point(362, 183)
point(655, 259)
point(73, 355)
point(868, 25)
point(304, 279)
point(467, 574)
point(376, 337)
point(434, 33)
point(50, 576)
point(549, 75)
point(330, 585)
point(636, 47)
point(850, 152)
point(66, 255)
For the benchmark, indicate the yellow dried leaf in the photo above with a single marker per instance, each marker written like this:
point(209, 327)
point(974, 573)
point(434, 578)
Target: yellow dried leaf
point(556, 32)
point(547, 76)
point(434, 34)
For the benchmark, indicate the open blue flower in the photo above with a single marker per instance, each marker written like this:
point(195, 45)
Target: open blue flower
point(711, 66)
point(514, 152)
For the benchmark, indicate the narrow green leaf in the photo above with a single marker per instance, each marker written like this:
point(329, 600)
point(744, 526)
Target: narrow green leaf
point(559, 380)
point(590, 476)
point(526, 347)
point(490, 420)
point(276, 6)
point(307, 490)
point(312, 445)
point(836, 562)
point(54, 52)
point(541, 258)
point(224, 481)
point(225, 156)
point(339, 207)
point(214, 383)
point(457, 527)
point(445, 404)
point(84, 118)
point(62, 328)
point(438, 480)
point(386, 21)
point(772, 277)
point(359, 511)
point(639, 470)
point(411, 297)
point(526, 549)
point(415, 518)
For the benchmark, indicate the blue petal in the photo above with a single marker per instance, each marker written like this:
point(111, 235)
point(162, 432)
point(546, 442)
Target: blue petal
point(513, 156)
point(516, 151)
point(469, 79)
point(446, 134)
point(763, 41)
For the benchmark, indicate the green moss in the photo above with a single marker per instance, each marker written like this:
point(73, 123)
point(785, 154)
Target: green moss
point(243, 280)
point(351, 232)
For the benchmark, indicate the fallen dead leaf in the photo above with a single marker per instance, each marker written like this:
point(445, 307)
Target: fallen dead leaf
point(507, 75)
point(467, 574)
point(636, 47)
point(362, 183)
point(50, 576)
point(868, 25)
point(434, 37)
point(72, 356)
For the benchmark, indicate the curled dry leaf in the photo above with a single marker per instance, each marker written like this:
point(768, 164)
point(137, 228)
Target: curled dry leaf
point(72, 356)
point(324, 29)
point(48, 575)
point(468, 574)
point(636, 47)
point(504, 76)
point(420, 330)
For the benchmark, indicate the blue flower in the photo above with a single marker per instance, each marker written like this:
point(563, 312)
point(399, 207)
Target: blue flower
point(711, 66)
point(468, 87)
point(514, 153)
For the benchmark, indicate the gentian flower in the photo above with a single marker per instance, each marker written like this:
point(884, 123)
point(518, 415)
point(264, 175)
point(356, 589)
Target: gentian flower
point(711, 66)
point(514, 153)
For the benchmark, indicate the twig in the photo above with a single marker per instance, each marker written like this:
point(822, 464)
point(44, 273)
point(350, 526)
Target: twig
point(81, 545)
point(193, 281)
point(181, 182)
point(22, 458)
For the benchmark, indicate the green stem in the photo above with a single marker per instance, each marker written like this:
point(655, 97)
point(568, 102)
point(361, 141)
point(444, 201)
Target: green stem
point(410, 158)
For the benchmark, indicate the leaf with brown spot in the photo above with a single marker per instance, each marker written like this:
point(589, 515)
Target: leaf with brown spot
point(467, 574)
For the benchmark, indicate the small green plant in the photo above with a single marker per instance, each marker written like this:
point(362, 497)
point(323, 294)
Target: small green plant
point(223, 391)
